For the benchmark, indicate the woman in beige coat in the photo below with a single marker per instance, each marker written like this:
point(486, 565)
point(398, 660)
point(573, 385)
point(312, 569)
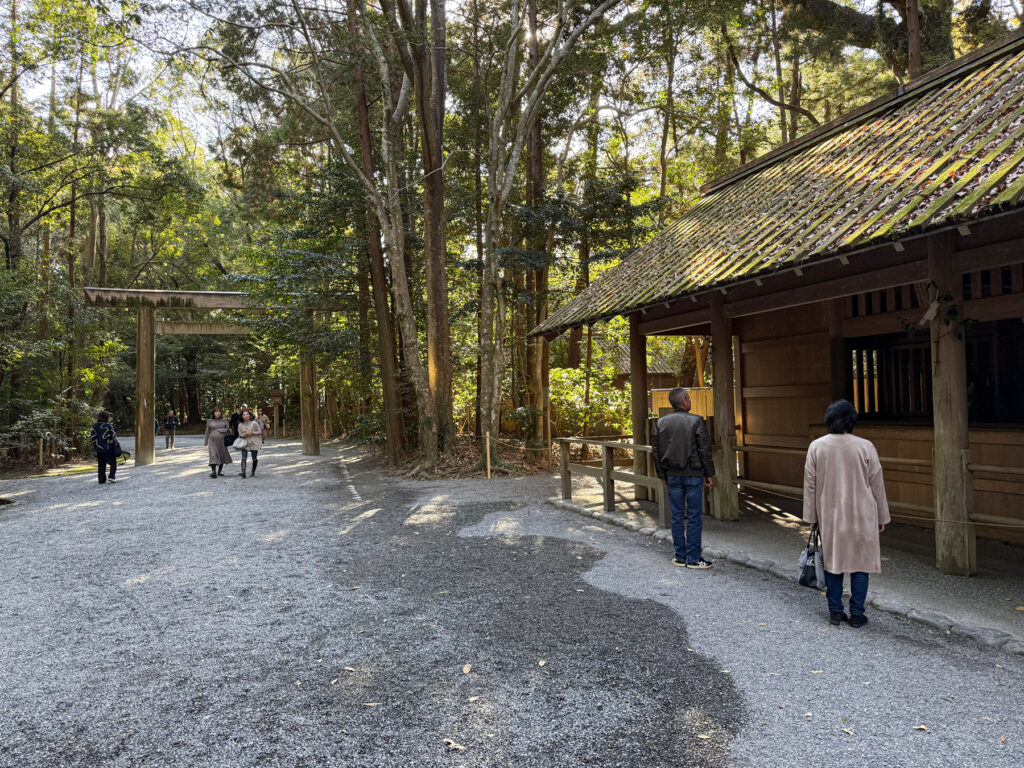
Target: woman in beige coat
point(250, 430)
point(844, 497)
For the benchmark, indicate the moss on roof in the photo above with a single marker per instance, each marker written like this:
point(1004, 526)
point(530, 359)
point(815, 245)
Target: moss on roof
point(948, 148)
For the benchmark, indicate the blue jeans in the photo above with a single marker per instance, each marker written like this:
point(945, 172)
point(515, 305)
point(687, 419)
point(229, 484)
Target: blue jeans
point(858, 592)
point(686, 498)
point(245, 455)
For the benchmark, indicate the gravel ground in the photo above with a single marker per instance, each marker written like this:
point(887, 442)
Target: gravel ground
point(323, 615)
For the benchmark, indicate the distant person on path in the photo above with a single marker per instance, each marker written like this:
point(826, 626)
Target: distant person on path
point(170, 424)
point(264, 421)
point(102, 436)
point(844, 497)
point(216, 431)
point(250, 430)
point(681, 448)
point(235, 418)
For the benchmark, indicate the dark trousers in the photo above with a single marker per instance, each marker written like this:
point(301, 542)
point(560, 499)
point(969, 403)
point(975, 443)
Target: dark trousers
point(105, 459)
point(686, 498)
point(168, 438)
point(858, 592)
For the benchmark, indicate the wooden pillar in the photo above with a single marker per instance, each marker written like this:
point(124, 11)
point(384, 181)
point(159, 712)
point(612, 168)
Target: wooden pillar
point(145, 386)
point(308, 407)
point(725, 503)
point(638, 385)
point(955, 547)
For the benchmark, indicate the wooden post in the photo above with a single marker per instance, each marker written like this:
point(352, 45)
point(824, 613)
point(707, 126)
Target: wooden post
point(145, 386)
point(725, 504)
point(277, 417)
point(664, 510)
point(563, 460)
point(638, 385)
point(607, 466)
point(955, 545)
point(40, 453)
point(487, 438)
point(308, 407)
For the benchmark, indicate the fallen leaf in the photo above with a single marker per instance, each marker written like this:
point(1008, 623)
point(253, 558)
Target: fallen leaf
point(298, 682)
point(452, 745)
point(466, 669)
point(703, 736)
point(762, 624)
point(371, 703)
point(353, 589)
point(920, 727)
point(999, 666)
point(474, 698)
point(725, 671)
point(809, 714)
point(1018, 607)
point(817, 671)
point(541, 663)
point(335, 680)
point(1002, 739)
point(848, 731)
point(989, 719)
point(350, 669)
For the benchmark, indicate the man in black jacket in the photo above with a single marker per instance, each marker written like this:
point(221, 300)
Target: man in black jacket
point(682, 456)
point(103, 436)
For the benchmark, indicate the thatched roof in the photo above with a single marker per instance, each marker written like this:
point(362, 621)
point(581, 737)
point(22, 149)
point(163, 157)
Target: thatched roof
point(946, 148)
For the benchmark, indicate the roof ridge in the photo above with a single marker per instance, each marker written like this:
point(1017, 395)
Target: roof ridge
point(917, 87)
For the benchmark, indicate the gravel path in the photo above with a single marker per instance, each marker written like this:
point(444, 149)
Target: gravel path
point(323, 615)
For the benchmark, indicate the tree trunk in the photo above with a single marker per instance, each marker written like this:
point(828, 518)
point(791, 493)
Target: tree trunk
point(394, 440)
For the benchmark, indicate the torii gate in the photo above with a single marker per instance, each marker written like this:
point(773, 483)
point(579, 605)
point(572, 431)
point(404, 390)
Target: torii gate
point(146, 302)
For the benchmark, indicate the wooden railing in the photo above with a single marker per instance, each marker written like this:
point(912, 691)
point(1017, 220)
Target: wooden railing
point(607, 475)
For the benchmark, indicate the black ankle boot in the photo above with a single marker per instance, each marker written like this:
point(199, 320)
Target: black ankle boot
point(253, 472)
point(220, 470)
point(213, 471)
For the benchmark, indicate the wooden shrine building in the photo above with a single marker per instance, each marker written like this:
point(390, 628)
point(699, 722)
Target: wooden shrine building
point(146, 302)
point(878, 258)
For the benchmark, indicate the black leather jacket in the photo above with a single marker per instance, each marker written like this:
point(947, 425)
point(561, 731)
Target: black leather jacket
point(682, 447)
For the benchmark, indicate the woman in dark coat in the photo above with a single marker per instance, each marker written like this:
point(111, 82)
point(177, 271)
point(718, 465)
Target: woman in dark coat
point(216, 429)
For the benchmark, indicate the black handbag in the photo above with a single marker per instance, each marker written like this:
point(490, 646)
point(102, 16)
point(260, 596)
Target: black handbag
point(228, 440)
point(812, 569)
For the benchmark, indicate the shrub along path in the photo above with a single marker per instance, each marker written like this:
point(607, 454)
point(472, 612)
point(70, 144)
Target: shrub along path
point(324, 615)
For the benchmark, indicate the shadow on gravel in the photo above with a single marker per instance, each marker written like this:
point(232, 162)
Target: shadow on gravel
point(499, 645)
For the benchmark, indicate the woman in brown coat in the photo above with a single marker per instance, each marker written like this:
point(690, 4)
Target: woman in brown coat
point(216, 429)
point(845, 498)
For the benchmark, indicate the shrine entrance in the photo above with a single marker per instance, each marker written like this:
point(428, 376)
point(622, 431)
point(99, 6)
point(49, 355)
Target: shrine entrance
point(146, 302)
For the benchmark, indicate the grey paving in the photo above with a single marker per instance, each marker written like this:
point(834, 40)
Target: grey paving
point(324, 615)
point(770, 530)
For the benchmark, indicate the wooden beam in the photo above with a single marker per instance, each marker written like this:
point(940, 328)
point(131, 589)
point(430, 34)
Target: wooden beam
point(145, 387)
point(725, 503)
point(955, 546)
point(638, 387)
point(992, 256)
point(812, 293)
point(166, 328)
point(145, 297)
point(674, 322)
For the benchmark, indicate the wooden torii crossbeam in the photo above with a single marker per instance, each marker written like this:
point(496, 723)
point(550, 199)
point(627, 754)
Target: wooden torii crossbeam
point(146, 301)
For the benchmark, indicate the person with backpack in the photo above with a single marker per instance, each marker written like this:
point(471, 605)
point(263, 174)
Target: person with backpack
point(681, 448)
point(170, 424)
point(104, 440)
